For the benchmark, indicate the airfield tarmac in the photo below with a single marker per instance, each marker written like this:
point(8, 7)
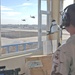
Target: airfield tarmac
point(7, 41)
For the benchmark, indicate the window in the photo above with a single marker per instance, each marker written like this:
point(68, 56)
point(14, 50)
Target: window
point(19, 25)
point(66, 3)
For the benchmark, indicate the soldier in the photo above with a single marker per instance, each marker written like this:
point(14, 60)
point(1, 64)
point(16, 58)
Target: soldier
point(64, 57)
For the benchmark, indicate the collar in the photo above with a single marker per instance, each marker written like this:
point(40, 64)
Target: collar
point(71, 38)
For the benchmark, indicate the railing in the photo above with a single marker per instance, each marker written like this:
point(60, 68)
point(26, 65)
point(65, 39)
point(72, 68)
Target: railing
point(18, 47)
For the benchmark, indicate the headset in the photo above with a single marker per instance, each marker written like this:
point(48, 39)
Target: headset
point(67, 19)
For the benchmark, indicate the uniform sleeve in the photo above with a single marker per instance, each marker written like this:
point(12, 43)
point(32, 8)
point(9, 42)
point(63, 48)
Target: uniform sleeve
point(61, 63)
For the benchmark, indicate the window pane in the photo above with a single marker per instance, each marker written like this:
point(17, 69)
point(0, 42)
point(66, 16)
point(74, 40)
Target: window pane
point(66, 3)
point(19, 25)
point(44, 5)
point(44, 25)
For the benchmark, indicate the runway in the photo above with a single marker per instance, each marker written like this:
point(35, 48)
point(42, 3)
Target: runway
point(25, 36)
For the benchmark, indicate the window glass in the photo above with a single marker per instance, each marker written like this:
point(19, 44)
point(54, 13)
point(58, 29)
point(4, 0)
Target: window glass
point(44, 5)
point(67, 2)
point(19, 25)
point(44, 27)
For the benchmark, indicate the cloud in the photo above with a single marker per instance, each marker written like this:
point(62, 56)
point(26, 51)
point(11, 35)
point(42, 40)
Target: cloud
point(26, 4)
point(6, 11)
point(5, 8)
point(10, 13)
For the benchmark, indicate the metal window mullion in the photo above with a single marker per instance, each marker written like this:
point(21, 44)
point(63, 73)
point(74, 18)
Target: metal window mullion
point(0, 38)
point(61, 10)
point(49, 14)
point(39, 25)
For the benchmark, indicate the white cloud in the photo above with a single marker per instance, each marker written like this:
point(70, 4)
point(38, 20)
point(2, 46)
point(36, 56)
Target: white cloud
point(5, 8)
point(10, 13)
point(26, 4)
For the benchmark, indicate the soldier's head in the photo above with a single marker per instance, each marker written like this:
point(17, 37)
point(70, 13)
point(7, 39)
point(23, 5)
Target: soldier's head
point(68, 18)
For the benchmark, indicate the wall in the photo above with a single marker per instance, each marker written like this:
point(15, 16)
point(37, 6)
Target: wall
point(15, 62)
point(18, 61)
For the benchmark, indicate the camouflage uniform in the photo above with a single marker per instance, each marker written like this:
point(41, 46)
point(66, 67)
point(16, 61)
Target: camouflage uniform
point(64, 58)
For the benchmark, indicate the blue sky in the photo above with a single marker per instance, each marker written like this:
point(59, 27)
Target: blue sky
point(16, 10)
point(13, 11)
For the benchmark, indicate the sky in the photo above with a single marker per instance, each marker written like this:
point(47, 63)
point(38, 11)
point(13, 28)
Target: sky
point(14, 11)
point(67, 2)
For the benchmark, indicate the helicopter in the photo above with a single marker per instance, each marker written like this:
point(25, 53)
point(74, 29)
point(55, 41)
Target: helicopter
point(32, 16)
point(23, 20)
